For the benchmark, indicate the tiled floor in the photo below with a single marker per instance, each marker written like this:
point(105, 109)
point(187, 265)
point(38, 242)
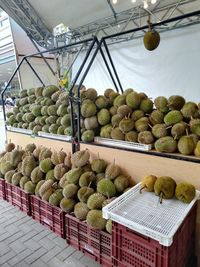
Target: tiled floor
point(24, 242)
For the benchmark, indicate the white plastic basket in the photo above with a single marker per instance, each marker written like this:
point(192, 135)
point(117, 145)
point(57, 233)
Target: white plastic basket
point(55, 136)
point(19, 130)
point(144, 214)
point(122, 144)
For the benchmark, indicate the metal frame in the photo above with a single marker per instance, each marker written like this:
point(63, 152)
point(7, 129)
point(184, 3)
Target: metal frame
point(91, 44)
point(137, 16)
point(104, 43)
point(77, 100)
point(26, 16)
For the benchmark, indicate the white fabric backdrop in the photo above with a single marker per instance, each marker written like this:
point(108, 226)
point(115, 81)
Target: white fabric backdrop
point(173, 68)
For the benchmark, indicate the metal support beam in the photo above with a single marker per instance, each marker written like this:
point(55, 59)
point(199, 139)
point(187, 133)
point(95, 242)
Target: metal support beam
point(112, 9)
point(34, 71)
point(45, 60)
point(137, 15)
point(25, 15)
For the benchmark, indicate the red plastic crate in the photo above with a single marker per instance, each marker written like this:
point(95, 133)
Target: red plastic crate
point(95, 244)
point(18, 197)
point(2, 189)
point(132, 249)
point(48, 215)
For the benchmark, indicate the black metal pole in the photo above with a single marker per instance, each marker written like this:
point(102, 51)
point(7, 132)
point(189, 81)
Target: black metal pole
point(45, 60)
point(4, 90)
point(70, 67)
point(79, 87)
point(108, 68)
point(34, 71)
point(113, 66)
point(83, 64)
point(72, 124)
point(71, 95)
point(192, 14)
point(61, 47)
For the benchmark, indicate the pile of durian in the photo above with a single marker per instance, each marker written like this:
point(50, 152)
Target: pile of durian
point(43, 109)
point(166, 188)
point(72, 182)
point(170, 125)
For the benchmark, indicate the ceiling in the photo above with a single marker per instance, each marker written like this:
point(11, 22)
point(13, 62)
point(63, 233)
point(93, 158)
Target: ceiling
point(89, 17)
point(95, 17)
point(75, 13)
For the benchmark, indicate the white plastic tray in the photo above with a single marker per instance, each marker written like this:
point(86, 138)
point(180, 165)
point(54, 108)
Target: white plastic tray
point(144, 214)
point(19, 130)
point(122, 144)
point(55, 136)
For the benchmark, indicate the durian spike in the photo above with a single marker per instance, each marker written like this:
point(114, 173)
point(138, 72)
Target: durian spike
point(182, 198)
point(142, 188)
point(161, 197)
point(187, 132)
point(129, 115)
point(89, 184)
point(150, 125)
point(55, 185)
point(175, 137)
point(169, 127)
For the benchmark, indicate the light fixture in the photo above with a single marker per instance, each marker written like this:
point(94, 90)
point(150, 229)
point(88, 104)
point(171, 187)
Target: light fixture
point(146, 4)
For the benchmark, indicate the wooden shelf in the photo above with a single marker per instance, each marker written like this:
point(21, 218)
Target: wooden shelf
point(24, 139)
point(177, 156)
point(138, 164)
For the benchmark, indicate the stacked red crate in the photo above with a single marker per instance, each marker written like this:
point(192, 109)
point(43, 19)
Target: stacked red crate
point(2, 189)
point(48, 215)
point(132, 249)
point(94, 243)
point(18, 197)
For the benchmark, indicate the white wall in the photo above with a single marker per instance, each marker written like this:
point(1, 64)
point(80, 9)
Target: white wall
point(28, 78)
point(24, 46)
point(174, 68)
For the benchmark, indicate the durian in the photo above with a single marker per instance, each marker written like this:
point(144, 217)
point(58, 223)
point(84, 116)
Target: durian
point(81, 210)
point(164, 187)
point(185, 192)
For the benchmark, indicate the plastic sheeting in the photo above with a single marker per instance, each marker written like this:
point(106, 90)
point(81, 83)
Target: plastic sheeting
point(173, 68)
